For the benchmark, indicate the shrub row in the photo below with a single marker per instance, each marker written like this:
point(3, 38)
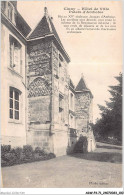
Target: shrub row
point(12, 156)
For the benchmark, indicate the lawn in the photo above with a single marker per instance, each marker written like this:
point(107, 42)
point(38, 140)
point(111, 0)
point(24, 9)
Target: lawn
point(102, 168)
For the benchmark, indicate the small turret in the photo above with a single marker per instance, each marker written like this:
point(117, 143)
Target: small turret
point(83, 104)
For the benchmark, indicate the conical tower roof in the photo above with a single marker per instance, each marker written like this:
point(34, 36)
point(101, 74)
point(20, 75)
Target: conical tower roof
point(82, 87)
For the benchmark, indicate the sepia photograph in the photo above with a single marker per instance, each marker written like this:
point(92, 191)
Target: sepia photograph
point(61, 94)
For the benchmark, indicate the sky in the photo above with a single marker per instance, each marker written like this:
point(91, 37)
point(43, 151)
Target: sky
point(96, 54)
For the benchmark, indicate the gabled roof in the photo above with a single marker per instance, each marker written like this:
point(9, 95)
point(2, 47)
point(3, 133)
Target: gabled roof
point(46, 27)
point(41, 29)
point(82, 87)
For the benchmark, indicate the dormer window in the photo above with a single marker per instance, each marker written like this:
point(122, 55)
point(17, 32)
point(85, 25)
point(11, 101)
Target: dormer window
point(3, 5)
point(15, 54)
point(10, 12)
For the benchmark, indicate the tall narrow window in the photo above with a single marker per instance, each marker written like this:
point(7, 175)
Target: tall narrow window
point(15, 54)
point(71, 101)
point(14, 99)
point(71, 121)
point(61, 108)
point(60, 67)
point(61, 58)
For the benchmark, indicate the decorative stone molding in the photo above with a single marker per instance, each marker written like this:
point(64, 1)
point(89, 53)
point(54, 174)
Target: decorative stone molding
point(39, 87)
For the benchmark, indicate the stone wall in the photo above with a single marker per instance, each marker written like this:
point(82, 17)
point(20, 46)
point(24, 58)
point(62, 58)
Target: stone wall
point(60, 140)
point(39, 81)
point(12, 131)
point(14, 141)
point(82, 109)
point(60, 87)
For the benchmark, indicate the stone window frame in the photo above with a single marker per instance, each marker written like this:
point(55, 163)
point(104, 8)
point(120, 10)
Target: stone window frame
point(61, 58)
point(61, 63)
point(61, 107)
point(71, 101)
point(14, 105)
point(72, 121)
point(15, 54)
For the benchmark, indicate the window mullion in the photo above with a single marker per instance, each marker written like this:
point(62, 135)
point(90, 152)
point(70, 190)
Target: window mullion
point(13, 54)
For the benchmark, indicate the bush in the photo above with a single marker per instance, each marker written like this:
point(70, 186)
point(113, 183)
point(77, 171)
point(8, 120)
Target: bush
point(51, 155)
point(18, 155)
point(5, 148)
point(3, 163)
point(39, 151)
point(28, 151)
point(81, 146)
point(10, 158)
point(18, 152)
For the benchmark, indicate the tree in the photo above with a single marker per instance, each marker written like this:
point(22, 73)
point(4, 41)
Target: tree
point(110, 123)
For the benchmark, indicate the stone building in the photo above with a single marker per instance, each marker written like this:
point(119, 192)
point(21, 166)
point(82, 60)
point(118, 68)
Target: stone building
point(40, 104)
point(14, 30)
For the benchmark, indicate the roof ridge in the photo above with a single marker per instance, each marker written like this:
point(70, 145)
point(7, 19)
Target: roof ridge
point(50, 27)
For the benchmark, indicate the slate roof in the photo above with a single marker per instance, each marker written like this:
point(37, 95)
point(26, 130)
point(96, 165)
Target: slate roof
point(82, 87)
point(46, 27)
point(21, 24)
point(41, 29)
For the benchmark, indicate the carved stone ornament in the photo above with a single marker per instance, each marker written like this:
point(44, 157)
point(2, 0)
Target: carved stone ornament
point(39, 87)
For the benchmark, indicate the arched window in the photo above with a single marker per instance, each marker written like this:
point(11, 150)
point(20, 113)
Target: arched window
point(14, 103)
point(15, 54)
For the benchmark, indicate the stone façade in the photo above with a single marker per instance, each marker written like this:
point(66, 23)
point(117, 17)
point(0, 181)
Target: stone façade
point(55, 113)
point(49, 114)
point(47, 79)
